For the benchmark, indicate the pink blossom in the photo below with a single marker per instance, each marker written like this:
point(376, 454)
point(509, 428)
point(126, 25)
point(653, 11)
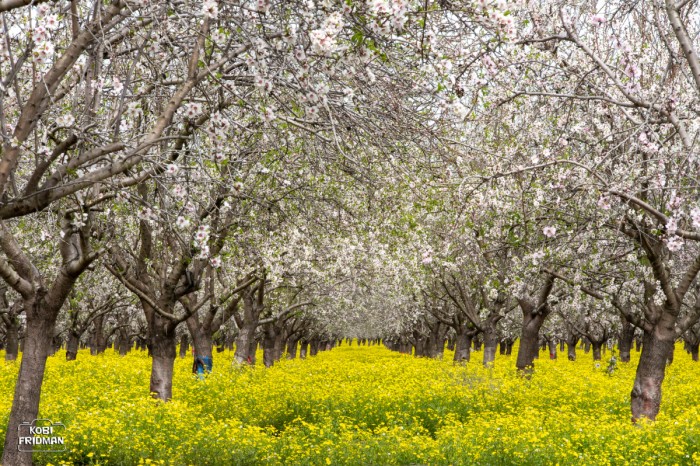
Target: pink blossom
point(597, 20)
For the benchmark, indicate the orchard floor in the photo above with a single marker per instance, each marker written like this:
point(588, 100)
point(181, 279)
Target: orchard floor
point(363, 406)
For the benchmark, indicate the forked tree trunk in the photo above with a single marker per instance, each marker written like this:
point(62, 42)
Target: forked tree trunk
point(25, 405)
point(72, 346)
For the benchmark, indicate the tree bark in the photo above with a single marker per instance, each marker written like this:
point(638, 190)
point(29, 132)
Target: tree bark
point(463, 344)
point(552, 345)
point(72, 346)
point(596, 350)
point(490, 344)
point(657, 346)
point(12, 342)
point(98, 342)
point(25, 405)
point(626, 340)
point(529, 341)
point(184, 345)
point(125, 345)
point(292, 345)
point(246, 344)
point(163, 350)
point(304, 349)
point(694, 351)
point(269, 340)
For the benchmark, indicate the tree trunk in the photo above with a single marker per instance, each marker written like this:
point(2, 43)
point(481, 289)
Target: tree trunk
point(314, 347)
point(184, 345)
point(246, 345)
point(303, 351)
point(163, 350)
point(72, 346)
point(694, 352)
point(419, 347)
point(292, 345)
point(529, 341)
point(25, 404)
point(125, 345)
point(656, 349)
point(279, 346)
point(12, 343)
point(463, 344)
point(509, 347)
point(552, 345)
point(626, 340)
point(269, 339)
point(490, 344)
point(571, 350)
point(98, 342)
point(596, 350)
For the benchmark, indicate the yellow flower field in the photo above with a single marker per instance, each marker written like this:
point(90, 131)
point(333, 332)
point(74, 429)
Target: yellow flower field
point(363, 406)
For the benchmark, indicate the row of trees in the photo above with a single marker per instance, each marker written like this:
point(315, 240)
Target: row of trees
point(279, 170)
